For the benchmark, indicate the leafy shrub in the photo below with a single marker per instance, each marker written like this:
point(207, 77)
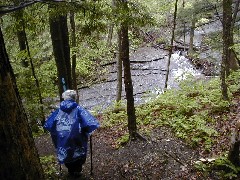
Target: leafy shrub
point(49, 164)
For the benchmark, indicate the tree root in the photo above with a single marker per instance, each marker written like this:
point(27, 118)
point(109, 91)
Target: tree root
point(136, 136)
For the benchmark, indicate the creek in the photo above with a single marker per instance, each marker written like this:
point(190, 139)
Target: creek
point(148, 69)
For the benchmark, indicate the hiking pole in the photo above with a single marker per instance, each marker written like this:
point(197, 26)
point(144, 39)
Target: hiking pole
point(91, 171)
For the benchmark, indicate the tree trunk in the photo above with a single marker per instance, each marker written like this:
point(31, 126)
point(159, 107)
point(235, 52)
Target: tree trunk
point(225, 71)
point(19, 156)
point(233, 154)
point(74, 56)
point(184, 29)
point(110, 35)
point(124, 56)
point(233, 61)
point(224, 89)
point(190, 50)
point(110, 29)
point(61, 50)
point(171, 45)
point(40, 99)
point(66, 48)
point(227, 34)
point(119, 72)
point(23, 46)
point(20, 32)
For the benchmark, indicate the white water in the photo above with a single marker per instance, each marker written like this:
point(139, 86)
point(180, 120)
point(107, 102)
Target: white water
point(149, 67)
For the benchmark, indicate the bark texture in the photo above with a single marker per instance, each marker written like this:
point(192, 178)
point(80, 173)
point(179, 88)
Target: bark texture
point(233, 154)
point(61, 50)
point(124, 56)
point(19, 156)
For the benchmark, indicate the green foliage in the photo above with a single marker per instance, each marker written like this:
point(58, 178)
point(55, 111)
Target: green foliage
point(188, 111)
point(115, 115)
point(203, 167)
point(140, 15)
point(46, 73)
point(220, 166)
point(228, 170)
point(93, 20)
point(39, 40)
point(124, 139)
point(40, 131)
point(233, 81)
point(160, 10)
point(50, 166)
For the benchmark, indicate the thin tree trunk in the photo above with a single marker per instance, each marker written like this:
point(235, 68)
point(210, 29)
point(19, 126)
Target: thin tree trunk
point(227, 17)
point(74, 57)
point(110, 29)
point(190, 50)
point(110, 35)
point(223, 79)
point(23, 45)
point(119, 72)
point(124, 56)
point(184, 30)
point(19, 156)
point(20, 32)
point(35, 77)
point(171, 45)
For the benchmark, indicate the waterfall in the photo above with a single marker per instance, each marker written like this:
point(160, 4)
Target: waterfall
point(182, 67)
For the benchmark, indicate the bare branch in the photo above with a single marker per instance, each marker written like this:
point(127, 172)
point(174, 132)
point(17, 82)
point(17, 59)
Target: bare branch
point(4, 9)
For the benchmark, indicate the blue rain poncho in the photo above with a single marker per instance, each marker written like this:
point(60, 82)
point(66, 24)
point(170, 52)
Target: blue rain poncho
point(70, 126)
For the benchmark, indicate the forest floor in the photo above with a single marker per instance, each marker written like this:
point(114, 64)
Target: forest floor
point(162, 156)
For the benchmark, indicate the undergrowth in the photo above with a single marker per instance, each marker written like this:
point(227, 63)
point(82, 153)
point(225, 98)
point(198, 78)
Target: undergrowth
point(50, 166)
point(189, 111)
point(220, 167)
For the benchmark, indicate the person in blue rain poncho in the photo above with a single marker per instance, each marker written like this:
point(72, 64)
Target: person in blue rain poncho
point(70, 126)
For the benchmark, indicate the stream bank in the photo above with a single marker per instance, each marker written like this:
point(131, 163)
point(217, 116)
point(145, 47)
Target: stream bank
point(148, 69)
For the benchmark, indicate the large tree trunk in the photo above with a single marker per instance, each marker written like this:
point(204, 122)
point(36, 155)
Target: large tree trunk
point(61, 50)
point(19, 156)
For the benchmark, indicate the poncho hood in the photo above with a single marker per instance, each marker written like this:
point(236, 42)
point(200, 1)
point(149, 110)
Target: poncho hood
point(70, 127)
point(68, 105)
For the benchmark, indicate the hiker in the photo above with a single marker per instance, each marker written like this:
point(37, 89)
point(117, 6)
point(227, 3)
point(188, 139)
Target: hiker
point(70, 126)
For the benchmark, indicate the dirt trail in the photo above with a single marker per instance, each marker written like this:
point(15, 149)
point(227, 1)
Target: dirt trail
point(162, 156)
